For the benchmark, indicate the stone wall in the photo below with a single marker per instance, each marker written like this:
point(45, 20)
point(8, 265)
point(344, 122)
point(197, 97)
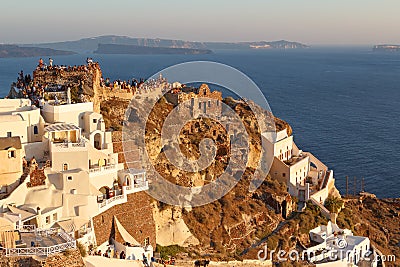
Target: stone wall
point(70, 258)
point(197, 100)
point(136, 216)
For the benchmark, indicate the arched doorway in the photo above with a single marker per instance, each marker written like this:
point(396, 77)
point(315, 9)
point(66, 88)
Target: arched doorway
point(128, 180)
point(97, 141)
point(105, 190)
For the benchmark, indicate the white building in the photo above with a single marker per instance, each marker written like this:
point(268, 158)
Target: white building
point(79, 175)
point(305, 176)
point(337, 247)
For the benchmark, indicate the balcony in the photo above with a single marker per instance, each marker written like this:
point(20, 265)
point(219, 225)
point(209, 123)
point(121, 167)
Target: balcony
point(136, 187)
point(295, 159)
point(72, 146)
point(111, 202)
point(40, 242)
point(103, 170)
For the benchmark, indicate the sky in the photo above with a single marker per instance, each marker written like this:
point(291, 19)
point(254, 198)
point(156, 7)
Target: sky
point(314, 22)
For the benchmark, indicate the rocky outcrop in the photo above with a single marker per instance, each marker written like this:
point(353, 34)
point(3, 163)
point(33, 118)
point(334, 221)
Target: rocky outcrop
point(171, 229)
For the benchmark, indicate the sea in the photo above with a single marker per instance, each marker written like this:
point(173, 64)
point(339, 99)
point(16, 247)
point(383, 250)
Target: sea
point(343, 103)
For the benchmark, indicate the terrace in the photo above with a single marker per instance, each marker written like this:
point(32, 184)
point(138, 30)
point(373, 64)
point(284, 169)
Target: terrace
point(38, 242)
point(295, 159)
point(129, 183)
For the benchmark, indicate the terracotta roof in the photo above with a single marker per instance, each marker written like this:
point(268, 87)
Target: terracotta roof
point(7, 142)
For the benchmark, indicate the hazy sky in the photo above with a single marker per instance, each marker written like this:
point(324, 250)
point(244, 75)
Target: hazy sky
point(307, 21)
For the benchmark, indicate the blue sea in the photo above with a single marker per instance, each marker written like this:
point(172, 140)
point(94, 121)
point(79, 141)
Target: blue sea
point(343, 103)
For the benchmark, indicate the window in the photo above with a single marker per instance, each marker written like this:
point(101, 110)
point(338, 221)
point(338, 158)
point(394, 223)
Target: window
point(147, 241)
point(199, 104)
point(11, 154)
point(9, 134)
point(65, 167)
point(69, 178)
point(47, 219)
point(209, 103)
point(35, 130)
point(55, 217)
point(283, 174)
point(94, 120)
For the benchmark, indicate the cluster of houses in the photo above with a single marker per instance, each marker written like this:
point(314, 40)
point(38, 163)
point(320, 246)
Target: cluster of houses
point(58, 171)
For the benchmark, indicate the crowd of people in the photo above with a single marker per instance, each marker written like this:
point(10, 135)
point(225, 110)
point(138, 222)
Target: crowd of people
point(121, 255)
point(26, 87)
point(42, 66)
point(134, 85)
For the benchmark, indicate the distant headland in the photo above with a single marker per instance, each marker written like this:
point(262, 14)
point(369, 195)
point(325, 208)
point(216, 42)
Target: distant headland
point(386, 48)
point(9, 51)
point(147, 50)
point(89, 45)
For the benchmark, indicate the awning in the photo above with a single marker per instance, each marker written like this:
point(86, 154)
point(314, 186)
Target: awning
point(25, 215)
point(72, 225)
point(125, 235)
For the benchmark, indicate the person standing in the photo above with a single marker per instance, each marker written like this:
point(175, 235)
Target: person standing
point(145, 262)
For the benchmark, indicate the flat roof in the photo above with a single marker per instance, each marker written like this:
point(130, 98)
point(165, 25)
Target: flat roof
point(10, 118)
point(8, 142)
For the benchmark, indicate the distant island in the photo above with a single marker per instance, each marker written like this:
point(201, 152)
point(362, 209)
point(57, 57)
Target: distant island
point(89, 45)
point(9, 51)
point(147, 50)
point(386, 48)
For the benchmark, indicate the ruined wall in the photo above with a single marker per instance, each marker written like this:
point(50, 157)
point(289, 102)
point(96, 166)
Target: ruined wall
point(197, 101)
point(136, 216)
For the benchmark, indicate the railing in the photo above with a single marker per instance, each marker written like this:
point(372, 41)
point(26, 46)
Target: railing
point(136, 186)
point(140, 184)
point(40, 251)
point(47, 232)
point(103, 168)
point(26, 228)
point(110, 200)
point(81, 143)
point(70, 243)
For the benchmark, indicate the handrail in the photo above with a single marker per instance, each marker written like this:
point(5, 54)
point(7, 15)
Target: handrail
point(70, 243)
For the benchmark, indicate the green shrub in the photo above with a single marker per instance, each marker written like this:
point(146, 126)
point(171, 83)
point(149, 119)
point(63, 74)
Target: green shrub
point(169, 251)
point(81, 248)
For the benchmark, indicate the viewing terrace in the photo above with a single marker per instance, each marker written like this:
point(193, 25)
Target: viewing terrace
point(28, 240)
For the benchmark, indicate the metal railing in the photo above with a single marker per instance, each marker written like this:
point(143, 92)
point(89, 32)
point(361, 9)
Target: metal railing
point(26, 228)
point(40, 251)
point(70, 243)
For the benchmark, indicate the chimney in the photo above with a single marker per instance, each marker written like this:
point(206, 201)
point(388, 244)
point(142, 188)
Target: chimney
point(69, 95)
